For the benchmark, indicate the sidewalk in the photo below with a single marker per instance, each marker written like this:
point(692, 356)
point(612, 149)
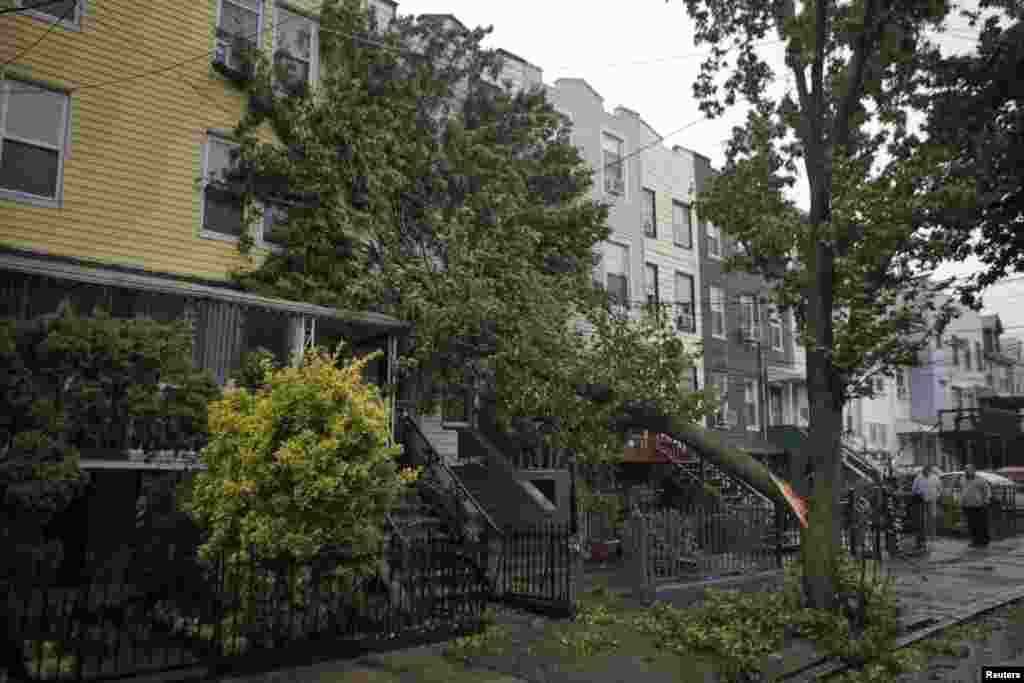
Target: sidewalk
point(954, 580)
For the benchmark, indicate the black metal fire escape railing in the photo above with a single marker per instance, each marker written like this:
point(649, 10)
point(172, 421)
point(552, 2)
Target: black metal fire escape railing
point(695, 468)
point(420, 452)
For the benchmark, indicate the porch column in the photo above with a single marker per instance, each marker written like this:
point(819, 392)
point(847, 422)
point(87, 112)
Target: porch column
point(392, 385)
point(794, 409)
point(296, 338)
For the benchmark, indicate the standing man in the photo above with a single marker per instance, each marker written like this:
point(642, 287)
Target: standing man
point(919, 496)
point(974, 499)
point(927, 486)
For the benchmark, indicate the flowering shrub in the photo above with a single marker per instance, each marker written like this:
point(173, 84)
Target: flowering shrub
point(297, 465)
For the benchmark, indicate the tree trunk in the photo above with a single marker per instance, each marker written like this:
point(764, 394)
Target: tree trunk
point(821, 546)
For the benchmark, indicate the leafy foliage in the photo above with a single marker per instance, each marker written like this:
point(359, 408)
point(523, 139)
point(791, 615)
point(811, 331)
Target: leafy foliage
point(417, 184)
point(856, 267)
point(298, 465)
point(70, 382)
point(252, 371)
point(979, 112)
point(743, 629)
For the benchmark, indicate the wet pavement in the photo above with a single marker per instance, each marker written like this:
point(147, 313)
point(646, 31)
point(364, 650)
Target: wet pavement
point(954, 580)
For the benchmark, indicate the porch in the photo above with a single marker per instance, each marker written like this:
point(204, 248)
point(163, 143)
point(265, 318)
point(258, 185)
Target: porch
point(989, 437)
point(227, 324)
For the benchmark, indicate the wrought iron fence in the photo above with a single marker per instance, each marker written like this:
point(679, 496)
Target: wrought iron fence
point(537, 568)
point(702, 543)
point(241, 616)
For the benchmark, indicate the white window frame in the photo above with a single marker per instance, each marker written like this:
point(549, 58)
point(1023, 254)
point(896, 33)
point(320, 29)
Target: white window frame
point(622, 164)
point(649, 194)
point(750, 317)
point(314, 52)
point(689, 224)
point(717, 300)
point(715, 232)
point(261, 239)
point(74, 24)
point(720, 383)
point(626, 266)
point(247, 225)
point(257, 39)
point(750, 388)
point(775, 329)
point(651, 271)
point(691, 281)
point(64, 134)
point(568, 117)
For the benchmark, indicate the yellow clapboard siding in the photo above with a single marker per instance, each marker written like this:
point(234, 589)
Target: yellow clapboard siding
point(129, 186)
point(207, 268)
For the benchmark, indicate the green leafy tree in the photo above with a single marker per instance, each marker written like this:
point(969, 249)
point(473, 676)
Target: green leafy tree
point(854, 268)
point(416, 184)
point(643, 357)
point(978, 110)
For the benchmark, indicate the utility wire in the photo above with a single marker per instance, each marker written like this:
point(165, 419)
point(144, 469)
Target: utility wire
point(49, 30)
point(644, 148)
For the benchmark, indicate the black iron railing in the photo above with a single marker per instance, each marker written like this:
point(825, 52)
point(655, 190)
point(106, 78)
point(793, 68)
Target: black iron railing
point(1006, 423)
point(242, 616)
point(536, 568)
point(439, 477)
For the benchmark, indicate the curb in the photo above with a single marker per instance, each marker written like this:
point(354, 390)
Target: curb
point(826, 666)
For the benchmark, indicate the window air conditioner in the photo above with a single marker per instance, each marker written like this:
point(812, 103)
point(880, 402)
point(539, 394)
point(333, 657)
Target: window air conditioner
point(223, 54)
point(228, 56)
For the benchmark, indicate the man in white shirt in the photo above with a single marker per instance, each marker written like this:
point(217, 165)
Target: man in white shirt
point(926, 488)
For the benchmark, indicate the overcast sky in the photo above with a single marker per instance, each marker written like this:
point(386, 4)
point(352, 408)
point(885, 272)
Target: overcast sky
point(641, 55)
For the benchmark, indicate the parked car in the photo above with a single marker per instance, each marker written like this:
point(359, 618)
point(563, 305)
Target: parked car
point(1016, 475)
point(952, 482)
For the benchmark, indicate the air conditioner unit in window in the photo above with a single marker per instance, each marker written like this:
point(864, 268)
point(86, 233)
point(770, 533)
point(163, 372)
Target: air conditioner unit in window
point(648, 226)
point(228, 57)
point(614, 184)
point(685, 322)
point(223, 54)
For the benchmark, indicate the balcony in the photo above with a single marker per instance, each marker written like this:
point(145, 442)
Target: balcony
point(976, 422)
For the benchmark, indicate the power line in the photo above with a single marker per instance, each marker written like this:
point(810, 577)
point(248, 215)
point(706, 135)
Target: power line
point(53, 25)
point(644, 148)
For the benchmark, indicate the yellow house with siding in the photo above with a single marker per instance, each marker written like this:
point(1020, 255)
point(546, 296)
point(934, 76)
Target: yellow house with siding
point(114, 118)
